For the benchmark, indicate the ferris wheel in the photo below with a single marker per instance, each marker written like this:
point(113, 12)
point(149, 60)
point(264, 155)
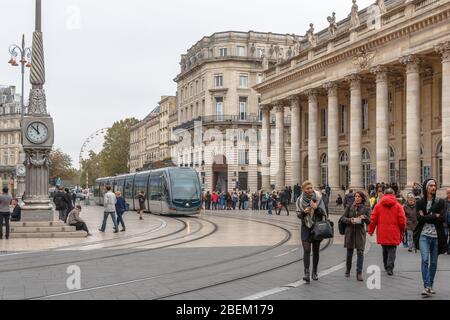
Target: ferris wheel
point(93, 143)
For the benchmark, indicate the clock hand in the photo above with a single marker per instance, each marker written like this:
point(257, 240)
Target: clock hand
point(34, 128)
point(38, 130)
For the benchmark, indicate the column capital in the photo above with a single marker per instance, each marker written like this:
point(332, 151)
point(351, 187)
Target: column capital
point(265, 107)
point(294, 101)
point(312, 95)
point(444, 50)
point(332, 88)
point(412, 63)
point(381, 72)
point(279, 108)
point(354, 80)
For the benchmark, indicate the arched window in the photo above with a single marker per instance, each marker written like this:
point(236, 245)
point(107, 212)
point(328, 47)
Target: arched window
point(344, 174)
point(392, 166)
point(440, 164)
point(366, 167)
point(324, 170)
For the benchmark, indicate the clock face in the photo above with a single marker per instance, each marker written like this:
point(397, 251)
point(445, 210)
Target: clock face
point(37, 132)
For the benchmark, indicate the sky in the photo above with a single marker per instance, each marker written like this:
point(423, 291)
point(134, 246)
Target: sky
point(107, 60)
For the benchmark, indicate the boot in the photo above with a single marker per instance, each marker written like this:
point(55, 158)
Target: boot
point(359, 277)
point(347, 274)
point(315, 276)
point(307, 277)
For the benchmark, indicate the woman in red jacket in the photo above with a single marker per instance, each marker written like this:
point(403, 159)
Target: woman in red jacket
point(389, 219)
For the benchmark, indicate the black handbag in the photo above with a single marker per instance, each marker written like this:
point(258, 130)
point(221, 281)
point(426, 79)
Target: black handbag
point(342, 226)
point(323, 230)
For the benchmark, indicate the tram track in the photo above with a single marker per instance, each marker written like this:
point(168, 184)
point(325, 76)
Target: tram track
point(133, 252)
point(286, 239)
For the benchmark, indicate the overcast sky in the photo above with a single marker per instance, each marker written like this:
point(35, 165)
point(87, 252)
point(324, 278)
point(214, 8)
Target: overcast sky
point(120, 57)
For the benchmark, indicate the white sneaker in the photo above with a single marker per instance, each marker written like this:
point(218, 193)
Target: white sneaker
point(426, 292)
point(432, 291)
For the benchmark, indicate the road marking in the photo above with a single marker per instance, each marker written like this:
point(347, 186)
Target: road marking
point(300, 283)
point(95, 288)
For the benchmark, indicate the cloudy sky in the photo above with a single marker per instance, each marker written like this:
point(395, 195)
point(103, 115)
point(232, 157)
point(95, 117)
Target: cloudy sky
point(109, 59)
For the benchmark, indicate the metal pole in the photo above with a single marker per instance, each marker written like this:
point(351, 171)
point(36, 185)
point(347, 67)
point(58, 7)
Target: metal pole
point(23, 87)
point(38, 15)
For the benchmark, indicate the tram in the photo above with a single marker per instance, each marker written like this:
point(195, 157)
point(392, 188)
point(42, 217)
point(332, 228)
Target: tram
point(168, 191)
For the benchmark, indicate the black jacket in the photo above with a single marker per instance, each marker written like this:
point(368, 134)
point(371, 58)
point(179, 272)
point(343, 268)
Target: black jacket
point(17, 213)
point(438, 208)
point(61, 201)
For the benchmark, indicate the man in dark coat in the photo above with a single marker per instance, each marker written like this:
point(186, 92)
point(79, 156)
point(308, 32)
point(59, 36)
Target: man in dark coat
point(429, 235)
point(349, 199)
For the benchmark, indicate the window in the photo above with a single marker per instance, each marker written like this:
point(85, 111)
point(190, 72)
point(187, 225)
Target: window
point(324, 123)
point(392, 166)
point(260, 78)
point(343, 120)
point(365, 114)
point(242, 108)
point(243, 81)
point(223, 52)
point(259, 52)
point(240, 51)
point(218, 81)
point(366, 168)
point(219, 108)
point(260, 115)
point(324, 170)
point(243, 157)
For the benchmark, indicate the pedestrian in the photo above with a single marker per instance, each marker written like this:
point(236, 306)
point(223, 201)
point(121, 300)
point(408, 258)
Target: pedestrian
point(70, 206)
point(208, 201)
point(357, 218)
point(328, 191)
point(215, 200)
point(141, 200)
point(5, 214)
point(16, 215)
point(448, 220)
point(246, 199)
point(311, 209)
point(297, 192)
point(234, 199)
point(121, 208)
point(349, 199)
point(325, 198)
point(74, 220)
point(61, 203)
point(229, 201)
point(417, 190)
point(339, 200)
point(263, 200)
point(429, 235)
point(283, 202)
point(269, 203)
point(73, 197)
point(411, 221)
point(389, 220)
point(373, 200)
point(109, 201)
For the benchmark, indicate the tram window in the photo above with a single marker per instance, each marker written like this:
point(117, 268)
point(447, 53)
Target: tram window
point(140, 184)
point(156, 187)
point(165, 189)
point(118, 185)
point(129, 188)
point(185, 185)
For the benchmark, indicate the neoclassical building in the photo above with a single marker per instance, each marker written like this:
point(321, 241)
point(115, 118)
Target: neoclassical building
point(369, 99)
point(215, 94)
point(10, 135)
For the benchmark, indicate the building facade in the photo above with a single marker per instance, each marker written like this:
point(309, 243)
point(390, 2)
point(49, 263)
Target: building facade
point(369, 99)
point(218, 109)
point(10, 135)
point(150, 138)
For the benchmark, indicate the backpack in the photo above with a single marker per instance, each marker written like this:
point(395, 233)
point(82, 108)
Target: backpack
point(59, 201)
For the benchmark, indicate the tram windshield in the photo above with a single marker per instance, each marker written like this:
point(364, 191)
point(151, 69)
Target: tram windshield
point(185, 185)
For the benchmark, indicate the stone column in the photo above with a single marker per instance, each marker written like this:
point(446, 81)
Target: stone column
point(333, 139)
point(413, 130)
point(356, 177)
point(265, 149)
point(313, 138)
point(279, 147)
point(295, 141)
point(444, 50)
point(382, 118)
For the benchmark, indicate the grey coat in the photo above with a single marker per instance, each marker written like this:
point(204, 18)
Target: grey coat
point(355, 235)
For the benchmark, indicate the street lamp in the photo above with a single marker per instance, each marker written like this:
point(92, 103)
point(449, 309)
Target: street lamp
point(25, 61)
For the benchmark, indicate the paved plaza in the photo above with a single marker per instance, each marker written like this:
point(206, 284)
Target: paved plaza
point(217, 255)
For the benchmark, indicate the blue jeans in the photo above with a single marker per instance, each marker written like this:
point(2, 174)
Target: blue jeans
point(105, 218)
point(270, 207)
point(429, 250)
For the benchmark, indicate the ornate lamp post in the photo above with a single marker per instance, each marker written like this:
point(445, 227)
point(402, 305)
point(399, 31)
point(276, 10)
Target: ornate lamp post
point(25, 62)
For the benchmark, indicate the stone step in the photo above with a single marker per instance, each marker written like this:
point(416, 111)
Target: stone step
point(49, 235)
point(42, 229)
point(38, 224)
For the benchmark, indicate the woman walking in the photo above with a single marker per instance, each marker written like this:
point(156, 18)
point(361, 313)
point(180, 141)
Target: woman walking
point(429, 236)
point(311, 209)
point(141, 199)
point(121, 207)
point(357, 218)
point(411, 220)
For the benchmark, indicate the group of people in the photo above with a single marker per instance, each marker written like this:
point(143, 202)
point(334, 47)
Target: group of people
point(421, 223)
point(10, 211)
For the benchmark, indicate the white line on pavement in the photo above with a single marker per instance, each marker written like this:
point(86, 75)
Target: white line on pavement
point(298, 284)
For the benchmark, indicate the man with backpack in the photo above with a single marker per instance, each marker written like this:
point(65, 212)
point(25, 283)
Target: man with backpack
point(61, 203)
